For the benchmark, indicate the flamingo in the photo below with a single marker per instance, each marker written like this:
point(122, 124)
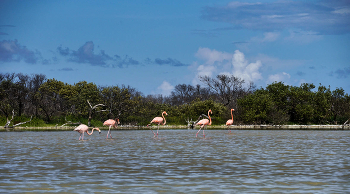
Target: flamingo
point(203, 123)
point(230, 121)
point(110, 123)
point(159, 121)
point(84, 128)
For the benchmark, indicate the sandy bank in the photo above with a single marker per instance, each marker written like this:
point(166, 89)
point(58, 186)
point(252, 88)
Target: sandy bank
point(213, 127)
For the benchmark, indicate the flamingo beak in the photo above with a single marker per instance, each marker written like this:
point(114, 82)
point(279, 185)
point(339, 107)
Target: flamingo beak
point(99, 132)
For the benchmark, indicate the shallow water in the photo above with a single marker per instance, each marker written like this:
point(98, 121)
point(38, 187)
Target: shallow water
point(246, 161)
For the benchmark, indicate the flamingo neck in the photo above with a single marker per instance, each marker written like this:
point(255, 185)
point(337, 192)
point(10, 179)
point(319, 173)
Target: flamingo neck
point(209, 118)
point(232, 114)
point(163, 119)
point(116, 123)
point(92, 131)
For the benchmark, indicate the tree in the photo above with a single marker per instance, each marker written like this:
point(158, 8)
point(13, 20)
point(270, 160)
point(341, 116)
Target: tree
point(7, 94)
point(228, 88)
point(21, 88)
point(34, 85)
point(76, 97)
point(257, 108)
point(121, 102)
point(49, 99)
point(301, 103)
point(322, 105)
point(184, 94)
point(340, 105)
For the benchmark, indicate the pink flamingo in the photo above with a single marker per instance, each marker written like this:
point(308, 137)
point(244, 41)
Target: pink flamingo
point(230, 121)
point(110, 123)
point(203, 123)
point(84, 128)
point(159, 121)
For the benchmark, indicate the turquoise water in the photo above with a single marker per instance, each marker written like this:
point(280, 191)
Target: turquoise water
point(246, 161)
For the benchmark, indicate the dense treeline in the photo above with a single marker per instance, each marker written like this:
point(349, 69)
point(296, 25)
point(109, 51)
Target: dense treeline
point(50, 101)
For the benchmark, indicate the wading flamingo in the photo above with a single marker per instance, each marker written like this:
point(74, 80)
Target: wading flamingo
point(159, 121)
point(84, 128)
point(110, 123)
point(203, 123)
point(230, 121)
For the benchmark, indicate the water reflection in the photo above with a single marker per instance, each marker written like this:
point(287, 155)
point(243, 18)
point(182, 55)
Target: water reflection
point(246, 161)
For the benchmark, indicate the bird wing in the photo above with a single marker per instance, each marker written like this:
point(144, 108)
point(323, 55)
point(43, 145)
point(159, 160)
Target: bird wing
point(81, 127)
point(203, 122)
point(109, 122)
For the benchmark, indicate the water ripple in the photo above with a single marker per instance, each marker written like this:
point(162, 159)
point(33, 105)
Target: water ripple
point(135, 162)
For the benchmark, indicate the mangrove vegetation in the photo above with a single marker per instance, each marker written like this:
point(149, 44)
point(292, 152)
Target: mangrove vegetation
point(38, 101)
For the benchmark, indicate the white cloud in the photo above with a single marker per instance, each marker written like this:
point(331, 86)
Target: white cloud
point(303, 37)
point(245, 70)
point(342, 11)
point(212, 56)
point(213, 61)
point(278, 64)
point(324, 17)
point(268, 37)
point(279, 77)
point(205, 70)
point(216, 62)
point(165, 88)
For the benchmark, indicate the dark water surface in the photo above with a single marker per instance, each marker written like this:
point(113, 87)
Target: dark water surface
point(247, 161)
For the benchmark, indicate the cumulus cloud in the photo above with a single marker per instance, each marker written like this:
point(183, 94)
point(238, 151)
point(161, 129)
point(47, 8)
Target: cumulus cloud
point(279, 77)
point(205, 70)
point(11, 50)
point(213, 61)
point(324, 17)
point(212, 56)
point(85, 54)
point(216, 62)
point(245, 70)
point(165, 88)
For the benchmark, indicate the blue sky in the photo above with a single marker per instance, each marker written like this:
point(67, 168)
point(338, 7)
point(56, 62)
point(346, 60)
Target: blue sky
point(155, 45)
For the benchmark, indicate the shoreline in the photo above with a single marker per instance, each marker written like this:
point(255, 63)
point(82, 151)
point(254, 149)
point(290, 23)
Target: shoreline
point(213, 127)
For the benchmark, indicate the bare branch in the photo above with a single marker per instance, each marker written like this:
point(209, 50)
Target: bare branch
point(23, 122)
point(70, 122)
point(89, 103)
point(102, 110)
point(94, 107)
point(9, 121)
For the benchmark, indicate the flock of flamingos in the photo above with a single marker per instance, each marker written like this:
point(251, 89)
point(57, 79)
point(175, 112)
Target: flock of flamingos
point(157, 120)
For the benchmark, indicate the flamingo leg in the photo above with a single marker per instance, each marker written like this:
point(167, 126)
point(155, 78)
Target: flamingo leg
point(157, 130)
point(109, 132)
point(80, 136)
point(151, 130)
point(203, 133)
point(199, 130)
point(83, 136)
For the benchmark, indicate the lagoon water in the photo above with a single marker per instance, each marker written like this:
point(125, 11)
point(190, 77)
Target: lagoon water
point(246, 161)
